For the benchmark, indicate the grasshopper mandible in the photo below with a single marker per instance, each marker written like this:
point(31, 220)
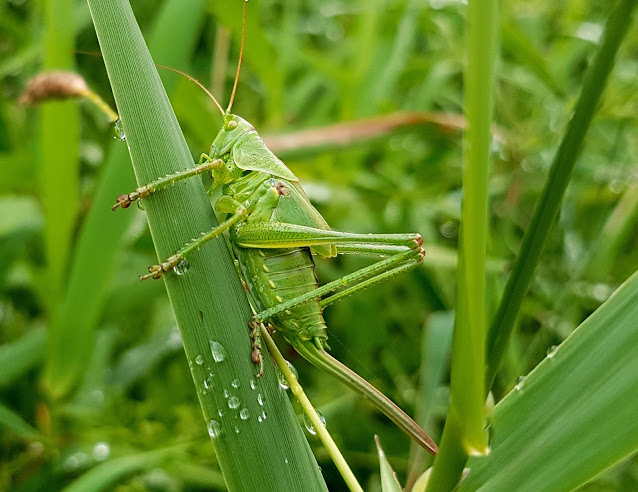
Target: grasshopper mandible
point(274, 230)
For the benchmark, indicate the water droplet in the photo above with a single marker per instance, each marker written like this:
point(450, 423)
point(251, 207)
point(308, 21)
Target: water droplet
point(260, 400)
point(218, 351)
point(283, 382)
point(260, 419)
point(214, 429)
point(233, 402)
point(551, 351)
point(308, 423)
point(286, 460)
point(244, 413)
point(208, 381)
point(226, 393)
point(75, 462)
point(118, 130)
point(199, 359)
point(101, 451)
point(182, 267)
point(519, 383)
point(263, 415)
point(220, 412)
point(236, 430)
point(140, 204)
point(235, 383)
point(252, 384)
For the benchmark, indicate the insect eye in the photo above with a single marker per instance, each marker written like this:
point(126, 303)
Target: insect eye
point(231, 125)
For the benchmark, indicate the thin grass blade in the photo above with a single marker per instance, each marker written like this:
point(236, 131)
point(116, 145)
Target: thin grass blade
point(559, 177)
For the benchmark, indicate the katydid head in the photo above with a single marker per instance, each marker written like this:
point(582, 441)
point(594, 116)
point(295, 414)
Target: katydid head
point(233, 128)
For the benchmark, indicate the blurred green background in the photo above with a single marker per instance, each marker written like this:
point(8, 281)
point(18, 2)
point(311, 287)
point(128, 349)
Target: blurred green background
point(69, 263)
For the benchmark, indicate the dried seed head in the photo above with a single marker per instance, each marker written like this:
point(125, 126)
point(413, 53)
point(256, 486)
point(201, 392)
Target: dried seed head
point(53, 85)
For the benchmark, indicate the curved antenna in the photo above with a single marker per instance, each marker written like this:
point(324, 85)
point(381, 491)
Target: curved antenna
point(241, 55)
point(195, 81)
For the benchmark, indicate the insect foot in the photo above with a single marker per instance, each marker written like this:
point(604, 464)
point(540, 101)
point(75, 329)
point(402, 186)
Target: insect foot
point(125, 200)
point(156, 271)
point(418, 247)
point(256, 355)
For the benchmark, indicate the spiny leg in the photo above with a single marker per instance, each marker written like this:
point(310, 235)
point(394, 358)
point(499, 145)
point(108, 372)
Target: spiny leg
point(156, 271)
point(284, 235)
point(364, 284)
point(382, 250)
point(205, 164)
point(385, 268)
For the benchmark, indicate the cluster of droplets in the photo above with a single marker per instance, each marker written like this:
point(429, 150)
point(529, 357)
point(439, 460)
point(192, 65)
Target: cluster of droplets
point(233, 402)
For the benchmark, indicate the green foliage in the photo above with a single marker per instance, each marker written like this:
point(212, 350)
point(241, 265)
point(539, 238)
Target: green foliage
point(573, 415)
point(123, 398)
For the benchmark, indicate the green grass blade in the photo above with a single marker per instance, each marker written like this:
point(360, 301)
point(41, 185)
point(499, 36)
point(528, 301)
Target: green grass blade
point(618, 229)
point(106, 475)
point(575, 414)
point(59, 151)
point(21, 355)
point(101, 237)
point(463, 433)
point(208, 300)
point(466, 386)
point(557, 181)
point(12, 421)
point(389, 480)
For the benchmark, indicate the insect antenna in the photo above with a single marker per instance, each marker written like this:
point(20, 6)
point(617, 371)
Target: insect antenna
point(241, 55)
point(195, 81)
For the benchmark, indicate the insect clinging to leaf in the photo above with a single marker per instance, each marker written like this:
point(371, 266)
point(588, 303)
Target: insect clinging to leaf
point(274, 231)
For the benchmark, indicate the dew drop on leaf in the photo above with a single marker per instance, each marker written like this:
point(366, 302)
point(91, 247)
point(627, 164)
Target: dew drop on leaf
point(182, 267)
point(118, 130)
point(308, 423)
point(218, 351)
point(233, 402)
point(214, 429)
point(519, 383)
point(283, 382)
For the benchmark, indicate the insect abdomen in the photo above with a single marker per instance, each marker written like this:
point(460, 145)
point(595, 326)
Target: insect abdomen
point(277, 275)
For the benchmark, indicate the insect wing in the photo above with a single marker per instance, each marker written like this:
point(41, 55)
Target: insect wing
point(252, 154)
point(295, 208)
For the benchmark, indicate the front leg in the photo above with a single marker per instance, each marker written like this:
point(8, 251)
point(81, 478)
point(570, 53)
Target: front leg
point(205, 164)
point(260, 205)
point(156, 271)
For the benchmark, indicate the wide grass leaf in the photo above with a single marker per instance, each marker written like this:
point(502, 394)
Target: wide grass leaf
point(208, 300)
point(575, 414)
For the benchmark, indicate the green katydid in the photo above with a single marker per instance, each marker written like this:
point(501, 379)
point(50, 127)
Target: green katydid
point(274, 230)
